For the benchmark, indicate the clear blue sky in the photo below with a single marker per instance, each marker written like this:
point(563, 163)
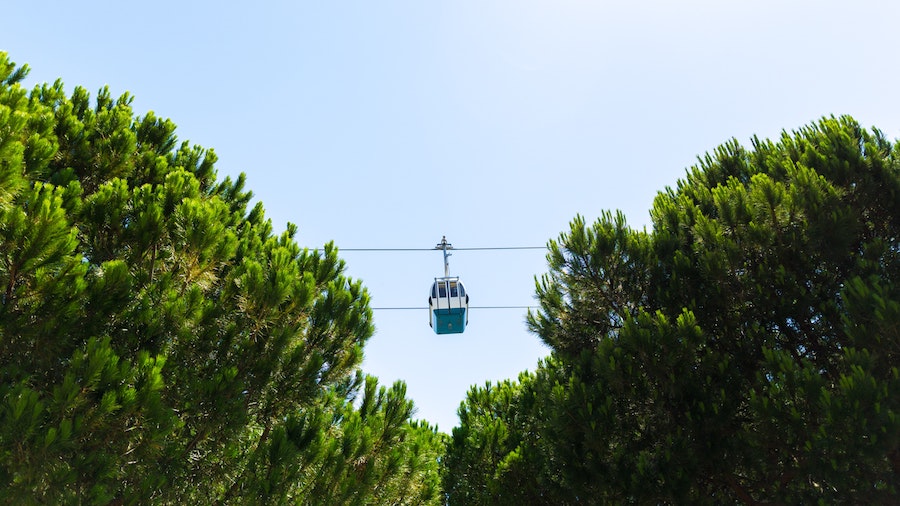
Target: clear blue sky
point(387, 124)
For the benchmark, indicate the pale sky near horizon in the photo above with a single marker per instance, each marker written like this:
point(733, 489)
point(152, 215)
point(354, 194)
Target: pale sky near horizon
point(390, 124)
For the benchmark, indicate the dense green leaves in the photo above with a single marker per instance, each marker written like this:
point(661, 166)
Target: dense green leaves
point(744, 351)
point(161, 344)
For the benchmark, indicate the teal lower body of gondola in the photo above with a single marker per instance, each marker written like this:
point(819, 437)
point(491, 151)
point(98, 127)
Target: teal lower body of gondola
point(449, 321)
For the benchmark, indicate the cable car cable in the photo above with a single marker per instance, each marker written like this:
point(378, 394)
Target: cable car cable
point(403, 308)
point(454, 249)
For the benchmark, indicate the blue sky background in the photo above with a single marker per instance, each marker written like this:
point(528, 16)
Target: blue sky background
point(387, 124)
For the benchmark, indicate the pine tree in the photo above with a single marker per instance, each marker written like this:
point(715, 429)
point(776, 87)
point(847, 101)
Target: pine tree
point(161, 344)
point(743, 351)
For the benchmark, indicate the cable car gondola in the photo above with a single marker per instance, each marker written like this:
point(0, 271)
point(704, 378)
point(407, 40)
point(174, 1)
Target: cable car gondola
point(448, 306)
point(448, 302)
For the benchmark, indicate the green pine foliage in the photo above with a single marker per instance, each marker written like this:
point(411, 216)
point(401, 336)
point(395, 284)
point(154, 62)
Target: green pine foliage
point(743, 351)
point(161, 344)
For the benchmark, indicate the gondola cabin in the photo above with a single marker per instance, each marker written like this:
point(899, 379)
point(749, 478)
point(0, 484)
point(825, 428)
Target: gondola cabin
point(448, 306)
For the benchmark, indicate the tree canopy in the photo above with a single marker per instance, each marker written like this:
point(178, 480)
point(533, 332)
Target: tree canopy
point(743, 350)
point(161, 344)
